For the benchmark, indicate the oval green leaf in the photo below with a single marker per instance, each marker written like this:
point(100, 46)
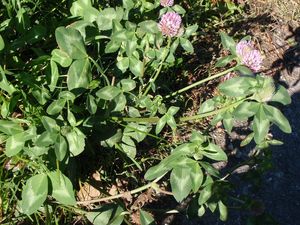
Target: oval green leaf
point(62, 188)
point(70, 41)
point(79, 74)
point(34, 193)
point(181, 183)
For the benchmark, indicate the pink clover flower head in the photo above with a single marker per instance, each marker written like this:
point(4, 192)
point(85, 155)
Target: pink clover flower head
point(249, 56)
point(166, 3)
point(170, 24)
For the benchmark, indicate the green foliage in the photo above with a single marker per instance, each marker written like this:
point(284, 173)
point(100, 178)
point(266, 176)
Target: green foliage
point(81, 81)
point(109, 214)
point(34, 193)
point(62, 188)
point(228, 43)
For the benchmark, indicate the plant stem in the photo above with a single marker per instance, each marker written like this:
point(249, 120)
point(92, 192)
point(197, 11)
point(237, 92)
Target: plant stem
point(99, 69)
point(249, 162)
point(140, 189)
point(152, 80)
point(172, 211)
point(180, 119)
point(48, 220)
point(211, 113)
point(200, 82)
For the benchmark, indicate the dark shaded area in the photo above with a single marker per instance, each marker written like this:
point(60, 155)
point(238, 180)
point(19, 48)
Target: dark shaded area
point(291, 58)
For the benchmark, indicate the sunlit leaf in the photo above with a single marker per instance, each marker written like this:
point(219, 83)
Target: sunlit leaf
point(76, 141)
point(179, 9)
point(34, 193)
point(246, 110)
point(84, 9)
point(60, 147)
point(224, 61)
point(261, 126)
point(186, 45)
point(128, 84)
point(128, 4)
point(70, 41)
point(247, 140)
point(56, 106)
point(228, 42)
point(99, 218)
point(62, 188)
point(14, 144)
point(282, 96)
point(91, 104)
point(1, 43)
point(10, 127)
point(201, 211)
point(243, 70)
point(61, 57)
point(79, 74)
point(112, 46)
point(49, 123)
point(191, 30)
point(275, 116)
point(46, 138)
point(54, 76)
point(160, 124)
point(213, 151)
point(123, 64)
point(107, 16)
point(237, 86)
point(223, 211)
point(149, 26)
point(205, 194)
point(181, 183)
point(136, 66)
point(228, 122)
point(108, 92)
point(196, 176)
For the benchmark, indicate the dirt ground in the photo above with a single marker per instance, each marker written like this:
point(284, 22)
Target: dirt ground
point(275, 26)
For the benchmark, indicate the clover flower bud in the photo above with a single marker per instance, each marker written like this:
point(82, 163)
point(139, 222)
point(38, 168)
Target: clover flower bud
point(249, 56)
point(166, 3)
point(170, 24)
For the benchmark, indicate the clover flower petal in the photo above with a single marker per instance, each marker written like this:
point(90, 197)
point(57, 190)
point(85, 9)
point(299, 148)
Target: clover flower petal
point(249, 56)
point(166, 3)
point(170, 24)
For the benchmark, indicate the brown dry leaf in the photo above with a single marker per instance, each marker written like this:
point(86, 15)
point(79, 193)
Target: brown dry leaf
point(135, 218)
point(96, 176)
point(88, 192)
point(127, 197)
point(113, 190)
point(142, 199)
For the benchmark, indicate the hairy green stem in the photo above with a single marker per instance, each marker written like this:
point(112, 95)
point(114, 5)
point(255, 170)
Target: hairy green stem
point(200, 82)
point(137, 190)
point(152, 80)
point(48, 217)
point(180, 119)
